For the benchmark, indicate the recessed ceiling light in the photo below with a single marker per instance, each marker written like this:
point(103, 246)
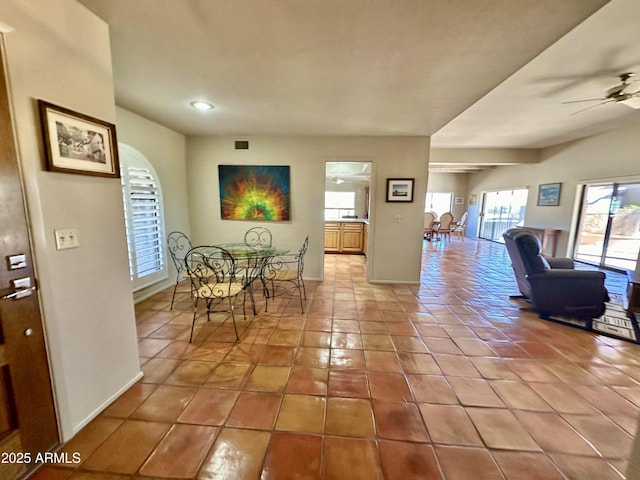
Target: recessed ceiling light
point(201, 105)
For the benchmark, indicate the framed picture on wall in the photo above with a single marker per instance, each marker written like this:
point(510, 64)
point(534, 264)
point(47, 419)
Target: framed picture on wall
point(549, 194)
point(400, 189)
point(78, 143)
point(255, 192)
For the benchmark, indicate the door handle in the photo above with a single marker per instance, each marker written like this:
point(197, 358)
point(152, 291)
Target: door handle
point(22, 287)
point(19, 293)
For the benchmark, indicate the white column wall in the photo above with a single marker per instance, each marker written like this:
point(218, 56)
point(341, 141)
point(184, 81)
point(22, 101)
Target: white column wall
point(59, 52)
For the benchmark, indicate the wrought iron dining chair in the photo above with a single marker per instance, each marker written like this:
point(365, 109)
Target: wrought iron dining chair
point(178, 245)
point(258, 237)
point(212, 271)
point(286, 272)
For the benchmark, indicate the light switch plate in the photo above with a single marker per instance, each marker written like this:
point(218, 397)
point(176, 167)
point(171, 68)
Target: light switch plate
point(66, 238)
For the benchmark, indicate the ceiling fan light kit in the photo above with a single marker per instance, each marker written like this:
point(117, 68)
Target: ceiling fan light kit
point(616, 94)
point(633, 102)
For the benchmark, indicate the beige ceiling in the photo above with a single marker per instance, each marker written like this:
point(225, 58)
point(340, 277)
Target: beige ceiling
point(470, 73)
point(527, 109)
point(347, 67)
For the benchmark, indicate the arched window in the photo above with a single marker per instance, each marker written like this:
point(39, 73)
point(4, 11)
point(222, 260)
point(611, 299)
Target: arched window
point(144, 216)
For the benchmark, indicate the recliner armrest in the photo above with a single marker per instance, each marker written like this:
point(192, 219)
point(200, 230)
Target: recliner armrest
point(567, 275)
point(560, 262)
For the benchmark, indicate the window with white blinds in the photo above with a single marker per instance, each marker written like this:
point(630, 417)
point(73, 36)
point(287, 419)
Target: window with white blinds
point(144, 218)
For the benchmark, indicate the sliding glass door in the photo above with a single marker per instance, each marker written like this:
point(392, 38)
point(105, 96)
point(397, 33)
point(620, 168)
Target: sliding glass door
point(609, 228)
point(502, 210)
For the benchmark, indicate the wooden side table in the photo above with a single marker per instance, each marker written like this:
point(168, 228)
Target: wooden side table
point(632, 300)
point(548, 237)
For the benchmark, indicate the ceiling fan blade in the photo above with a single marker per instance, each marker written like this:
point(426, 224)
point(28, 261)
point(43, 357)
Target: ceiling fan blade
point(592, 106)
point(586, 100)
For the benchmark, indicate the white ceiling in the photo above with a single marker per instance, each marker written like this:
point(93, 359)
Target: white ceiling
point(350, 172)
point(527, 110)
point(470, 73)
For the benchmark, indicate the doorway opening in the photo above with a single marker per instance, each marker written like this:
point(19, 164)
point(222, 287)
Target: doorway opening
point(347, 190)
point(347, 208)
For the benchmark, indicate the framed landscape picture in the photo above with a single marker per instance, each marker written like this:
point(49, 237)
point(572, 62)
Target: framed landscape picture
point(400, 190)
point(549, 194)
point(78, 143)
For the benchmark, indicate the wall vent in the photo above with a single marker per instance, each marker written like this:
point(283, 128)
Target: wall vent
point(242, 144)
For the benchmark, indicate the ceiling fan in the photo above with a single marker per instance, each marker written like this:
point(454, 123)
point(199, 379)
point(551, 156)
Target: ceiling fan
point(616, 94)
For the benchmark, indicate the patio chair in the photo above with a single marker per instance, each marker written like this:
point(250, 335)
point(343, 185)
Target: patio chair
point(460, 227)
point(444, 228)
point(429, 218)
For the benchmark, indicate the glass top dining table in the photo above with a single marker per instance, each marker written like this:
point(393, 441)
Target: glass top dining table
point(252, 260)
point(242, 251)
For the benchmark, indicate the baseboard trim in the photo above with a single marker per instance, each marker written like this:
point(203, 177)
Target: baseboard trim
point(150, 291)
point(404, 282)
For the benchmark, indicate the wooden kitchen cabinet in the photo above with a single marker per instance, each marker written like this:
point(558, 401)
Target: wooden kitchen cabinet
point(365, 238)
point(344, 237)
point(351, 238)
point(332, 237)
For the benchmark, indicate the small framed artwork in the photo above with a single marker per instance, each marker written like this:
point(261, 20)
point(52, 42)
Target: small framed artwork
point(400, 189)
point(78, 143)
point(549, 194)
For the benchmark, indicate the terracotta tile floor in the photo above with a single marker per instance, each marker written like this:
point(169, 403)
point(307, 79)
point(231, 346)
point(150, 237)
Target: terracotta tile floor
point(443, 380)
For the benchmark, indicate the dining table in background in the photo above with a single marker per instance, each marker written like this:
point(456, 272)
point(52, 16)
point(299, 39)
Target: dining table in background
point(253, 259)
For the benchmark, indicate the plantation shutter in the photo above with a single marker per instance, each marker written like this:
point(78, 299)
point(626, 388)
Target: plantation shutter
point(144, 219)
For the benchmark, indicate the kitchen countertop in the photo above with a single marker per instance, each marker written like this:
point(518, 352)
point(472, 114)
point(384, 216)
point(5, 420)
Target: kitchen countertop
point(349, 220)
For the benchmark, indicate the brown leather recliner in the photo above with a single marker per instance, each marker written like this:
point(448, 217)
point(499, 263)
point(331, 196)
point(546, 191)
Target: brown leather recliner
point(552, 284)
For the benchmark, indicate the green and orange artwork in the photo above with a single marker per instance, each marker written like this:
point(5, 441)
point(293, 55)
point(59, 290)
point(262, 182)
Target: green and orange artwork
point(249, 192)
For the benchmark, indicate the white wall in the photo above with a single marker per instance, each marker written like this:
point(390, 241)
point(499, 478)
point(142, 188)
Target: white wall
point(396, 247)
point(608, 156)
point(166, 151)
point(60, 52)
